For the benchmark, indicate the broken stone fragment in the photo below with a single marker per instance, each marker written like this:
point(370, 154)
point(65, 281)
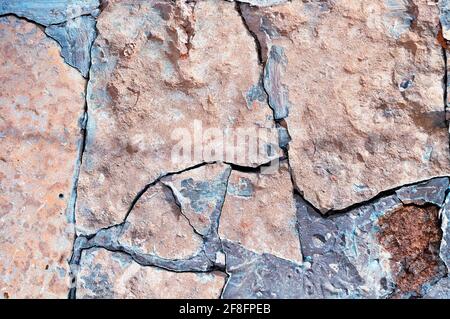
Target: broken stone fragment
point(47, 12)
point(75, 37)
point(259, 213)
point(200, 192)
point(41, 102)
point(432, 191)
point(363, 118)
point(104, 274)
point(161, 100)
point(346, 261)
point(156, 226)
point(392, 249)
point(255, 276)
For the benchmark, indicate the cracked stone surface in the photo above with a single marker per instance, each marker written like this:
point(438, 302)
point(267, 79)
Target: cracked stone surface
point(47, 12)
point(224, 149)
point(157, 226)
point(75, 37)
point(156, 63)
point(363, 118)
point(41, 101)
point(200, 193)
point(259, 213)
point(380, 250)
point(105, 274)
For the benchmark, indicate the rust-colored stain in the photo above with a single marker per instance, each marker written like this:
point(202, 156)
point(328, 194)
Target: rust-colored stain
point(412, 235)
point(441, 39)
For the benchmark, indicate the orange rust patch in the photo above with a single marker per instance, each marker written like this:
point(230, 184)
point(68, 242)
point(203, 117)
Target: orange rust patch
point(412, 235)
point(441, 39)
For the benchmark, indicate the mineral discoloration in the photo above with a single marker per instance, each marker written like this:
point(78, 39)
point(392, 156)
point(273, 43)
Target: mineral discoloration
point(75, 37)
point(299, 150)
point(412, 236)
point(106, 274)
point(200, 193)
point(41, 101)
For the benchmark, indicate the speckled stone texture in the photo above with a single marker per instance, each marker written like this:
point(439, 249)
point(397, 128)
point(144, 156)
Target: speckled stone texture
point(155, 70)
point(41, 102)
point(224, 149)
point(365, 110)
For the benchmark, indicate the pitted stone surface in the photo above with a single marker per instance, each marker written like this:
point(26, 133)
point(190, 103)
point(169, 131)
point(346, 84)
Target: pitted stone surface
point(105, 274)
point(155, 76)
point(259, 213)
point(41, 102)
point(371, 239)
point(157, 226)
point(363, 118)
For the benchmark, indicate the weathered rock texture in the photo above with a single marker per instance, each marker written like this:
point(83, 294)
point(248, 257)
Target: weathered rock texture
point(155, 70)
point(362, 82)
point(70, 22)
point(41, 102)
point(75, 37)
point(259, 214)
point(200, 193)
point(47, 12)
point(224, 149)
point(106, 274)
point(380, 250)
point(157, 226)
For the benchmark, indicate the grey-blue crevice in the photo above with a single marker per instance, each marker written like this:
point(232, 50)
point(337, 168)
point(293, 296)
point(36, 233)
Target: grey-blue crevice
point(441, 290)
point(108, 239)
point(432, 191)
point(283, 136)
point(47, 12)
point(75, 38)
point(70, 22)
point(343, 257)
point(275, 89)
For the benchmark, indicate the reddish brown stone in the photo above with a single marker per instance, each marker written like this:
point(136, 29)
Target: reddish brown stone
point(363, 85)
point(158, 66)
point(157, 226)
point(259, 213)
point(41, 101)
point(412, 236)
